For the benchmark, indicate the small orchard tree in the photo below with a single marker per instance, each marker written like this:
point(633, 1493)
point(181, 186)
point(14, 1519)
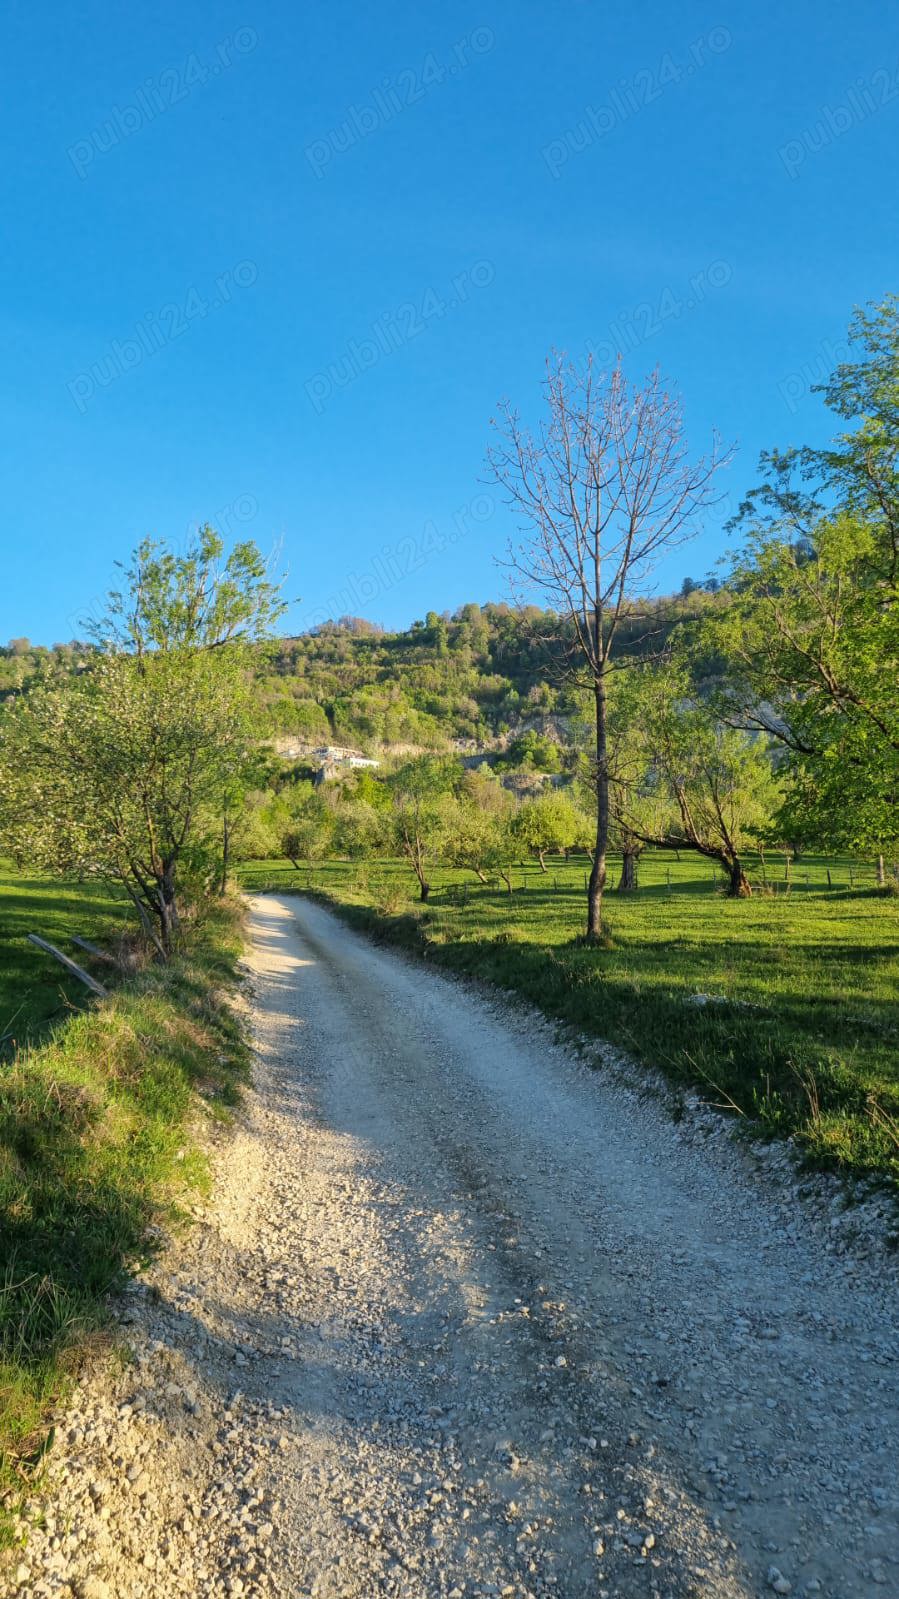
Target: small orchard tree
point(121, 769)
point(637, 800)
point(548, 823)
point(259, 822)
point(361, 808)
point(703, 786)
point(310, 831)
point(419, 791)
point(475, 822)
point(603, 489)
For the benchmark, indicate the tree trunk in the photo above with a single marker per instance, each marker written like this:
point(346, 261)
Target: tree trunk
point(540, 855)
point(881, 873)
point(597, 881)
point(226, 851)
point(628, 880)
point(425, 889)
point(168, 908)
point(739, 886)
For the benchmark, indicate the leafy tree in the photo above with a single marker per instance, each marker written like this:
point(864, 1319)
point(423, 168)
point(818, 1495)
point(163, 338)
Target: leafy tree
point(310, 833)
point(475, 824)
point(810, 640)
point(259, 824)
point(533, 750)
point(693, 783)
point(121, 769)
point(419, 791)
point(549, 823)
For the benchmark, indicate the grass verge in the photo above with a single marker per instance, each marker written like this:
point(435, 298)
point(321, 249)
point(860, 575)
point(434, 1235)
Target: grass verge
point(95, 1149)
point(783, 1009)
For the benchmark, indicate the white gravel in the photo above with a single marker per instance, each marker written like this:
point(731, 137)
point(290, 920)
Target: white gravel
point(466, 1317)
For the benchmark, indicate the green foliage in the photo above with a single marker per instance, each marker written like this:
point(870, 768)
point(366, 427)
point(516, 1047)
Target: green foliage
point(310, 832)
point(687, 780)
point(550, 822)
point(472, 676)
point(474, 824)
point(123, 769)
point(192, 602)
point(419, 793)
point(809, 641)
point(531, 751)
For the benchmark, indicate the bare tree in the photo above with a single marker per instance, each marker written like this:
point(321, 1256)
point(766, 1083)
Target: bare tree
point(604, 488)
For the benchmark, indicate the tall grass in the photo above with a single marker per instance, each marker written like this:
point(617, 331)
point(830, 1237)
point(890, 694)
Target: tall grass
point(93, 1150)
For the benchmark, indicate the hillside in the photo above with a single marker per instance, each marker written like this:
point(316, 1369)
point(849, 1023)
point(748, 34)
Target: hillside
point(471, 678)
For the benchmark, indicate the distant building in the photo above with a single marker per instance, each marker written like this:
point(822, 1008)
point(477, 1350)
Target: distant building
point(333, 759)
point(333, 755)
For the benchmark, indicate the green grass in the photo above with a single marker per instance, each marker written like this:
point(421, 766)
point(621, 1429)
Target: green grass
point(35, 991)
point(94, 1146)
point(802, 1035)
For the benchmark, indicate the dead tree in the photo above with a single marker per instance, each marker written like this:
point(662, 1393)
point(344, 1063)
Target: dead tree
point(603, 489)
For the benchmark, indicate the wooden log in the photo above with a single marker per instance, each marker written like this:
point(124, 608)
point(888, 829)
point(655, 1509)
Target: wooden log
point(77, 971)
point(94, 949)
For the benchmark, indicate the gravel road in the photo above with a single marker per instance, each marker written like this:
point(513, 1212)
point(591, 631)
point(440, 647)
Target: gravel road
point(466, 1317)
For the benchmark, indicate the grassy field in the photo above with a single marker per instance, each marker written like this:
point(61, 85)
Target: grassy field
point(94, 1143)
point(35, 991)
point(799, 1026)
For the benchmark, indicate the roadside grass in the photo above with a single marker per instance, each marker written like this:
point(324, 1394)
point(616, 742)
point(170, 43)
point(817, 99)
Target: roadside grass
point(783, 1009)
point(96, 1149)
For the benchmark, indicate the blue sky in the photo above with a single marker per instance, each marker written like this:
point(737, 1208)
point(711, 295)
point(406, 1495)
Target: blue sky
point(272, 265)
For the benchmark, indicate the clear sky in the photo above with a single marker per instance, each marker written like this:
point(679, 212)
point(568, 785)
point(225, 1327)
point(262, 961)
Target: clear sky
point(272, 264)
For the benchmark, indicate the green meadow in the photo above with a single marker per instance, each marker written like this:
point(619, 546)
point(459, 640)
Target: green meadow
point(35, 991)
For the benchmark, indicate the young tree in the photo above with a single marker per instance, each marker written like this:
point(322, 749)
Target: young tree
point(474, 825)
point(604, 489)
point(703, 786)
point(550, 822)
point(310, 831)
point(120, 769)
point(419, 791)
point(362, 815)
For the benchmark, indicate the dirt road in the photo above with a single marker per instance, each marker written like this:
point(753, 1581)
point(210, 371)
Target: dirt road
point(493, 1327)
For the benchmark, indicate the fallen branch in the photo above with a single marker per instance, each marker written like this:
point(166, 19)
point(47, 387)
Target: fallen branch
point(95, 950)
point(77, 971)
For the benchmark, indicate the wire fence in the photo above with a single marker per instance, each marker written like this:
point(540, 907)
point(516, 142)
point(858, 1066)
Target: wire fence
point(388, 883)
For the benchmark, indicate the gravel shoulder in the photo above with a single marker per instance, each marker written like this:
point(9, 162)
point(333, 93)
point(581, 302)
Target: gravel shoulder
point(466, 1317)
